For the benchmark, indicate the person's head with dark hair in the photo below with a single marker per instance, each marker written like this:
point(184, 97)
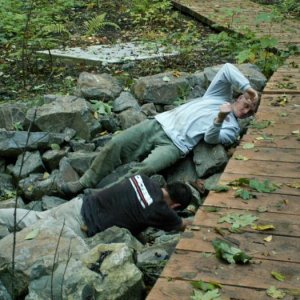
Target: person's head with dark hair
point(179, 194)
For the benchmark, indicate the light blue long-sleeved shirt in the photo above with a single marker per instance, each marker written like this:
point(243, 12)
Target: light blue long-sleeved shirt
point(191, 122)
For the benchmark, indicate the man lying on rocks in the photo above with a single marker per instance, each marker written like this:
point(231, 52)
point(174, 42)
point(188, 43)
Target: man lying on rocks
point(134, 203)
point(158, 143)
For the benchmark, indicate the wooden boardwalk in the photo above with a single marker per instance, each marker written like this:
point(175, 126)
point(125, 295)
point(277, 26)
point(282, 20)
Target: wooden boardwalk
point(275, 155)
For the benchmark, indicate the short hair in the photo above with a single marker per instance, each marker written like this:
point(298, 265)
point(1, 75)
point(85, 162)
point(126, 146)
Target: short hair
point(180, 193)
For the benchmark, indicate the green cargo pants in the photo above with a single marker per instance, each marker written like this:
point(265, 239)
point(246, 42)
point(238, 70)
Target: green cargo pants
point(146, 140)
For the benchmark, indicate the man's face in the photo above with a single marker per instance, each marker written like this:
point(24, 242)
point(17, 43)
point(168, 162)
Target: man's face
point(244, 107)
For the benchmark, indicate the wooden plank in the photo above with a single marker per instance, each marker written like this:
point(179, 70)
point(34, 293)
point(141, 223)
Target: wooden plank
point(288, 225)
point(271, 100)
point(173, 289)
point(287, 141)
point(194, 266)
point(280, 248)
point(277, 117)
point(269, 154)
point(285, 204)
point(254, 167)
point(277, 129)
point(288, 186)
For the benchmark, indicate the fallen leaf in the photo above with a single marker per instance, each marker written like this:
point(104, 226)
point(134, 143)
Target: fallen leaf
point(240, 157)
point(262, 227)
point(248, 146)
point(268, 238)
point(262, 209)
point(46, 175)
point(275, 293)
point(295, 185)
point(32, 235)
point(278, 276)
point(296, 132)
point(176, 74)
point(238, 220)
point(166, 79)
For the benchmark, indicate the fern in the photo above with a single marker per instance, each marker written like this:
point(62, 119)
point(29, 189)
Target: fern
point(97, 23)
point(56, 28)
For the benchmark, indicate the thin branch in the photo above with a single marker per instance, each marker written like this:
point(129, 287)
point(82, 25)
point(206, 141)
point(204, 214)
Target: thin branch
point(15, 209)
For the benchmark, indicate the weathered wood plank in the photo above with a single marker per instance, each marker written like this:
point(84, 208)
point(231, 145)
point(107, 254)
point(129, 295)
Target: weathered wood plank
point(269, 154)
point(285, 204)
point(254, 167)
point(288, 186)
point(195, 266)
point(172, 289)
point(280, 248)
point(288, 225)
point(286, 142)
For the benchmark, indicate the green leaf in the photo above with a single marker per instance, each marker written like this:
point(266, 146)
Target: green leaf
point(244, 194)
point(264, 187)
point(248, 146)
point(32, 235)
point(205, 286)
point(55, 147)
point(240, 182)
point(238, 220)
point(228, 252)
point(275, 293)
point(209, 295)
point(260, 124)
point(219, 188)
point(278, 276)
point(240, 157)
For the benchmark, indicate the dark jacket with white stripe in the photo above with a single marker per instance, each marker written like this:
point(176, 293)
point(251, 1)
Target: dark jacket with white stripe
point(135, 203)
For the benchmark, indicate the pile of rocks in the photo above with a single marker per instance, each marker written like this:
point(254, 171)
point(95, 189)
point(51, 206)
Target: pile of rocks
point(58, 140)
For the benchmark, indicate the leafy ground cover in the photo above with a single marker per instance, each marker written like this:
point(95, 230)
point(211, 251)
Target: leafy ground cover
point(28, 26)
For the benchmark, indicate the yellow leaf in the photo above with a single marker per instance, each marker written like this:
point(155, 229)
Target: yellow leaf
point(260, 138)
point(176, 74)
point(296, 132)
point(240, 157)
point(295, 185)
point(103, 133)
point(96, 116)
point(263, 227)
point(46, 175)
point(268, 238)
point(30, 188)
point(32, 234)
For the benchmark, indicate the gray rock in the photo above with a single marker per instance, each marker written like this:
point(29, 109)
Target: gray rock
point(110, 123)
point(183, 170)
point(130, 117)
point(209, 159)
point(80, 161)
point(98, 86)
point(2, 165)
point(252, 72)
point(12, 143)
point(212, 181)
point(149, 109)
point(198, 84)
point(3, 232)
point(124, 101)
point(163, 88)
point(115, 235)
point(34, 205)
point(102, 140)
point(49, 202)
point(66, 111)
point(6, 183)
point(51, 158)
point(35, 186)
point(4, 295)
point(32, 163)
point(12, 116)
point(66, 171)
point(81, 145)
point(11, 202)
point(37, 251)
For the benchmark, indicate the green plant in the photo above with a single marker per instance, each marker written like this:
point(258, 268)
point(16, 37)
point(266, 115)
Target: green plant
point(97, 23)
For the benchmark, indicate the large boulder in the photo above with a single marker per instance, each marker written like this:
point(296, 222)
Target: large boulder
point(98, 86)
point(12, 116)
point(36, 256)
point(125, 101)
point(13, 143)
point(66, 111)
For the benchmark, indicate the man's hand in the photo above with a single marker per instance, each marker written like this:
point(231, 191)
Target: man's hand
point(251, 94)
point(225, 109)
